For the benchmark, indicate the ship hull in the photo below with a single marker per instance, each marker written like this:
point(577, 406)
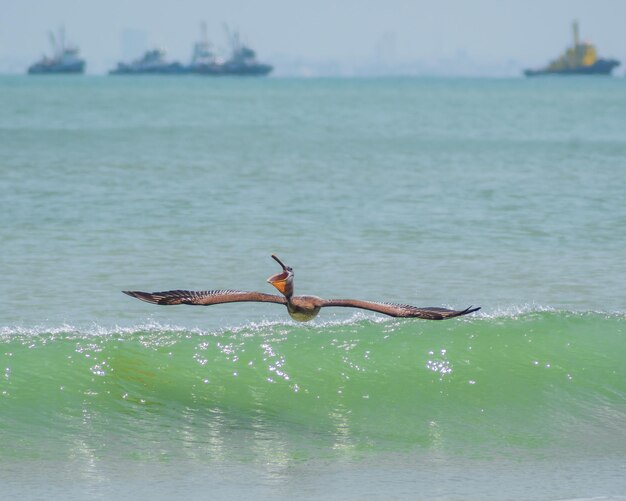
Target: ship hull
point(248, 70)
point(600, 67)
point(57, 69)
point(204, 70)
point(236, 70)
point(169, 69)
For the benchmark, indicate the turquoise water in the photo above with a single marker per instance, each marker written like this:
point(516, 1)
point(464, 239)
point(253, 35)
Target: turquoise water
point(506, 194)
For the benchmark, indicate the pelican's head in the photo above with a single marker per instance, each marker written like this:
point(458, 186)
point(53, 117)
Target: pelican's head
point(283, 281)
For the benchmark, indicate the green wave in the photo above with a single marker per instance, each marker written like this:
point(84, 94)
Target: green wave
point(534, 380)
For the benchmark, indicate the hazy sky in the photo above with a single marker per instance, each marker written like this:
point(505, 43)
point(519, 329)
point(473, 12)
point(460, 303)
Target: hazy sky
point(491, 36)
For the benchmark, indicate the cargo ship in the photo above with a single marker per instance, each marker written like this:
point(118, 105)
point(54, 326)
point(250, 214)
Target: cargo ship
point(579, 59)
point(152, 62)
point(64, 60)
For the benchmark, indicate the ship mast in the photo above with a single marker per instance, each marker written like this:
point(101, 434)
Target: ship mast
point(62, 37)
point(233, 37)
point(53, 42)
point(205, 37)
point(575, 30)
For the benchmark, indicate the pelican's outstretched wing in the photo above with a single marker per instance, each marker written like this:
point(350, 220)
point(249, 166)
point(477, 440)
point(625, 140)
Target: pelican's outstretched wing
point(205, 298)
point(401, 310)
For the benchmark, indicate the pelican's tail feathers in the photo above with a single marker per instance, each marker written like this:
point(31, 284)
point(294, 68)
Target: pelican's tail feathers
point(466, 311)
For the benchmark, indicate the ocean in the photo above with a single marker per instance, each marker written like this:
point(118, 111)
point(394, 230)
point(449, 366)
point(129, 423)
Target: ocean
point(502, 193)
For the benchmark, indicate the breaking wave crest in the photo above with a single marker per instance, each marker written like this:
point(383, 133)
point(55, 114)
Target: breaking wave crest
point(522, 377)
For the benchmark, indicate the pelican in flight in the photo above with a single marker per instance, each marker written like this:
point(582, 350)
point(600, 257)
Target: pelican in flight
point(300, 308)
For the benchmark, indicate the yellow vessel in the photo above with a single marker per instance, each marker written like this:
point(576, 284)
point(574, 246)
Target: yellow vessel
point(579, 59)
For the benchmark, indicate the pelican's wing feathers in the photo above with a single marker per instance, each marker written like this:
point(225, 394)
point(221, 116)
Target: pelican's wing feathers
point(205, 298)
point(401, 310)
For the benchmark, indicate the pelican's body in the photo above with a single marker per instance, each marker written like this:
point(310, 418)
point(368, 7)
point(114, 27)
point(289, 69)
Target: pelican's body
point(304, 308)
point(300, 308)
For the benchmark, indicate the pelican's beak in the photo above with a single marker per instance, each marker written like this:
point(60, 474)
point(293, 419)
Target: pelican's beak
point(282, 279)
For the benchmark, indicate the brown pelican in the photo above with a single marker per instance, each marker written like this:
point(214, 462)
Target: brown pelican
point(301, 308)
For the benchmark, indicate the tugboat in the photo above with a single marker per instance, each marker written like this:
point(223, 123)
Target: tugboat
point(243, 61)
point(579, 59)
point(64, 58)
point(152, 62)
point(204, 60)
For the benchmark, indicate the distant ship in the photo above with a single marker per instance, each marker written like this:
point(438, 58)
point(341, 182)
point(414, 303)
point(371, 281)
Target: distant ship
point(580, 59)
point(152, 62)
point(204, 61)
point(64, 58)
point(243, 61)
